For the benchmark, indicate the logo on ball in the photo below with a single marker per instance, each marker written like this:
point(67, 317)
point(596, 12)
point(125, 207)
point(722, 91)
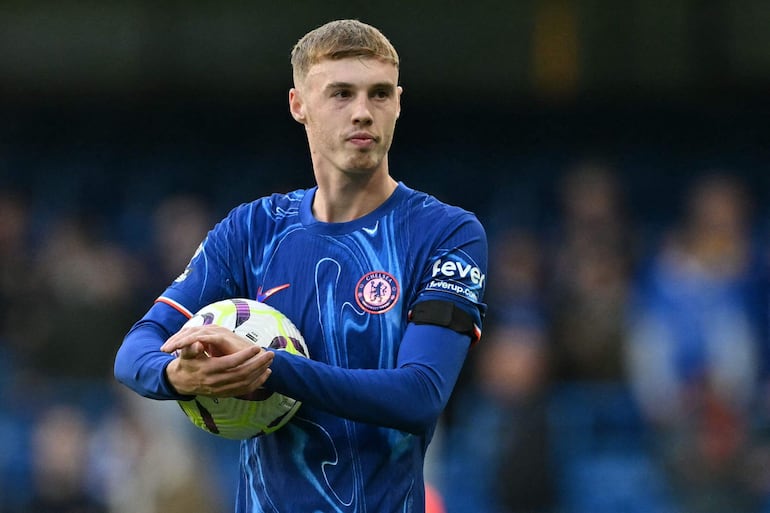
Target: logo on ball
point(377, 292)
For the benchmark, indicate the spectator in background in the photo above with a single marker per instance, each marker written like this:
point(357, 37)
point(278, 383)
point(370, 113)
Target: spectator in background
point(497, 439)
point(87, 284)
point(177, 225)
point(180, 222)
point(148, 461)
point(60, 464)
point(16, 300)
point(694, 348)
point(591, 259)
point(14, 249)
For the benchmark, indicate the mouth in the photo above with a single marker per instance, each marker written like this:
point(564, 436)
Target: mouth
point(362, 139)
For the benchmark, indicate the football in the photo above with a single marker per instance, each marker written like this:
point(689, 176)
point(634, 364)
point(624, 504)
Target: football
point(262, 412)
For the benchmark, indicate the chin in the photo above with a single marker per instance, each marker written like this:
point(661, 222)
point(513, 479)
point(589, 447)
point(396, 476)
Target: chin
point(361, 168)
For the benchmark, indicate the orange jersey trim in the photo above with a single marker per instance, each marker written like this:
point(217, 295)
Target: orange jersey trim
point(176, 306)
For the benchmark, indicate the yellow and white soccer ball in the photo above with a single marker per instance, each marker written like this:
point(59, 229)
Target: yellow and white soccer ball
point(261, 412)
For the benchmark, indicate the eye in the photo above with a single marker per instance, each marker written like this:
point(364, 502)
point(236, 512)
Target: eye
point(381, 94)
point(341, 93)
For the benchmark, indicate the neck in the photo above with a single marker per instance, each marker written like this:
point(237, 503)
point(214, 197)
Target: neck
point(345, 198)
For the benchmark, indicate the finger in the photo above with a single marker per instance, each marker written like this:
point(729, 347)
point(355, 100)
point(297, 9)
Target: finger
point(190, 335)
point(259, 374)
point(243, 386)
point(260, 379)
point(179, 340)
point(248, 358)
point(243, 379)
point(256, 365)
point(194, 350)
point(255, 391)
point(248, 376)
point(219, 339)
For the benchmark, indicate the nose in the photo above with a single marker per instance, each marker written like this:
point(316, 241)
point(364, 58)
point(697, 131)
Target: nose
point(362, 114)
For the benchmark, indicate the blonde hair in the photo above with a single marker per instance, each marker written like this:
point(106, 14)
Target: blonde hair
point(337, 40)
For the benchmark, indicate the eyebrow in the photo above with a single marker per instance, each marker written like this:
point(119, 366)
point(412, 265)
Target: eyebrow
point(348, 85)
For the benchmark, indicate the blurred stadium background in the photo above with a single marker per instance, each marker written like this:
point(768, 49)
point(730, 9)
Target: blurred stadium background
point(617, 152)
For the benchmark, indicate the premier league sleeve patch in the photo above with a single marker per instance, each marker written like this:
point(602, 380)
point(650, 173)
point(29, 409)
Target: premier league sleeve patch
point(377, 292)
point(189, 268)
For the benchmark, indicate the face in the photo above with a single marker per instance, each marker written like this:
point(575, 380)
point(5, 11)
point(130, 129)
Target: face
point(349, 108)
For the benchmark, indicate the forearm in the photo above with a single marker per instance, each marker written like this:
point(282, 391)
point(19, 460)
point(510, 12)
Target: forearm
point(140, 364)
point(409, 397)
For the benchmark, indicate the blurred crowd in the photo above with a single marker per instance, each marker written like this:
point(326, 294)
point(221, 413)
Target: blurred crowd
point(623, 367)
point(73, 440)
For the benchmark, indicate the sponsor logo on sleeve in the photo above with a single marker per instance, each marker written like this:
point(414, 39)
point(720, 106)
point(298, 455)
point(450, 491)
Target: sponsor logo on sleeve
point(459, 278)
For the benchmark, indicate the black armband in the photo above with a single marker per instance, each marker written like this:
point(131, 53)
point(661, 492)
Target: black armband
point(443, 313)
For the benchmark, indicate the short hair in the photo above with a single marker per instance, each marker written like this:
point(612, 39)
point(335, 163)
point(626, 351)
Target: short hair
point(338, 40)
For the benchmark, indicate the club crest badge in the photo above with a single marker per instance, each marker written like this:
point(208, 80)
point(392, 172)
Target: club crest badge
point(377, 292)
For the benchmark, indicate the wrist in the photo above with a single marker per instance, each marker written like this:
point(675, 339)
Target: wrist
point(170, 377)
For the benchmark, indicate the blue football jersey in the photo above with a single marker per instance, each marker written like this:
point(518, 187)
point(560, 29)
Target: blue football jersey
point(349, 288)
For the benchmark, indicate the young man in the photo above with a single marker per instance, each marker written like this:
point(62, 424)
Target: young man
point(384, 282)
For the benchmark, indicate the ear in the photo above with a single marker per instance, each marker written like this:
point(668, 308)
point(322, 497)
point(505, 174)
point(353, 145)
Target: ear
point(296, 105)
point(400, 91)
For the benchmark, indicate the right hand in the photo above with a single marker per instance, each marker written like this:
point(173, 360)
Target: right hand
point(213, 361)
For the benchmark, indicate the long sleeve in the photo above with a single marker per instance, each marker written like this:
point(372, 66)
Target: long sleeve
point(141, 365)
point(409, 397)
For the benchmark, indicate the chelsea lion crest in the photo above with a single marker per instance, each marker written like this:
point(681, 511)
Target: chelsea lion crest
point(377, 292)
